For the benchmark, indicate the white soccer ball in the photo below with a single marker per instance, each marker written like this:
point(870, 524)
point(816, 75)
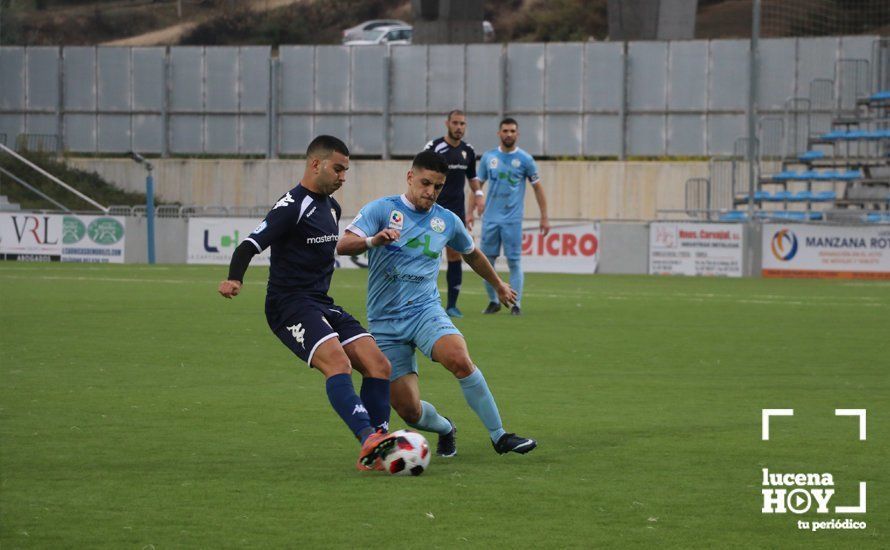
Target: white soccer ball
point(410, 456)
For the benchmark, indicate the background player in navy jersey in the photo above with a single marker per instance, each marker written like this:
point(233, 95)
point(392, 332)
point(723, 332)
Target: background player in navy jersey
point(507, 168)
point(461, 159)
point(302, 229)
point(404, 307)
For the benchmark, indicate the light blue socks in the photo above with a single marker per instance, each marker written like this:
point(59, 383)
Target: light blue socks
point(479, 398)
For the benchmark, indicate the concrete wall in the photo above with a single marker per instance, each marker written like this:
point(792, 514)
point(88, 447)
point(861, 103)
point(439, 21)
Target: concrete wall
point(624, 248)
point(611, 190)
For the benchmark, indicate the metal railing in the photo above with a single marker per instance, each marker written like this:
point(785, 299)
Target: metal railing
point(191, 211)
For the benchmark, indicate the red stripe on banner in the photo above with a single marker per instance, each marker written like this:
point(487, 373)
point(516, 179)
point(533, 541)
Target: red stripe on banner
point(817, 274)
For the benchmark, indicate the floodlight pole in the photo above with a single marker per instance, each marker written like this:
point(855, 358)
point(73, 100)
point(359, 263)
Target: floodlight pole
point(149, 204)
point(752, 129)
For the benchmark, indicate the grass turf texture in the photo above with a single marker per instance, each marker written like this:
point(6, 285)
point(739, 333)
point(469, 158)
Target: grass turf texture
point(137, 408)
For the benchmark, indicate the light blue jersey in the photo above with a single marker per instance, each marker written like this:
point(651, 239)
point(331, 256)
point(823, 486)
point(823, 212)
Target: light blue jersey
point(402, 275)
point(507, 174)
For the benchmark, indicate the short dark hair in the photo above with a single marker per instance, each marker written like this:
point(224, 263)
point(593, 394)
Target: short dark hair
point(508, 120)
point(324, 145)
point(453, 112)
point(430, 160)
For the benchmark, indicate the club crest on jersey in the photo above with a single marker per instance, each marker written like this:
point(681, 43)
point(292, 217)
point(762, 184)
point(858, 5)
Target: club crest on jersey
point(284, 201)
point(437, 224)
point(334, 214)
point(464, 154)
point(493, 163)
point(516, 163)
point(396, 220)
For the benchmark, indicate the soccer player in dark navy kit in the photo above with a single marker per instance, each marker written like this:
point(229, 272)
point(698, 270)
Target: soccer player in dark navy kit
point(302, 229)
point(461, 158)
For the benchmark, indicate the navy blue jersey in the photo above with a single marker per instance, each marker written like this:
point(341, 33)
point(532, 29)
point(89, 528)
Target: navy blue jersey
point(302, 229)
point(461, 167)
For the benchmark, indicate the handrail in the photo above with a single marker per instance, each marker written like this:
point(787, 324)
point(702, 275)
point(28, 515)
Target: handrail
point(53, 178)
point(33, 189)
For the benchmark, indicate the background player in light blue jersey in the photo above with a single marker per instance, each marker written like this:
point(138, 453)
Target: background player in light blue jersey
point(404, 236)
point(507, 168)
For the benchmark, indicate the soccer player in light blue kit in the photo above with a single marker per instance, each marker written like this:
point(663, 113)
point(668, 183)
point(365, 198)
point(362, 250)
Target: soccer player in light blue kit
point(404, 236)
point(507, 168)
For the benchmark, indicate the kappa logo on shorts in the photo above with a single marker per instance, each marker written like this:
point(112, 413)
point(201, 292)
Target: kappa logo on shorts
point(359, 408)
point(298, 331)
point(396, 220)
point(437, 224)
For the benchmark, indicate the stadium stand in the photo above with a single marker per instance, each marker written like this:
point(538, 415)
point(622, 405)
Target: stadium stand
point(843, 172)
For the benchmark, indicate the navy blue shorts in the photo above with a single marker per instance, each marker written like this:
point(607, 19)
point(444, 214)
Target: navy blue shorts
point(307, 323)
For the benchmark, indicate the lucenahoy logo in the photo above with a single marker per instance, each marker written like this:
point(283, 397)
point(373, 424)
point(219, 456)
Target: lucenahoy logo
point(105, 231)
point(784, 245)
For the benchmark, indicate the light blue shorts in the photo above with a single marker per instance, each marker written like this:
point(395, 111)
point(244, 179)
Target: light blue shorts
point(397, 338)
point(496, 234)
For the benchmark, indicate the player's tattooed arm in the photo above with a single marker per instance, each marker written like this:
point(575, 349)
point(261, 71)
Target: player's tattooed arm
point(480, 264)
point(352, 244)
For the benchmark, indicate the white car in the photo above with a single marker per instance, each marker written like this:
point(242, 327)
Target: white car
point(395, 34)
point(353, 33)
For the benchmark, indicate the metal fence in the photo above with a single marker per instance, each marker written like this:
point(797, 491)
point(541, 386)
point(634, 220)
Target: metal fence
point(679, 98)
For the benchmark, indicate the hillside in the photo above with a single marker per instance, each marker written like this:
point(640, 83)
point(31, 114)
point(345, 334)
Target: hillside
point(274, 22)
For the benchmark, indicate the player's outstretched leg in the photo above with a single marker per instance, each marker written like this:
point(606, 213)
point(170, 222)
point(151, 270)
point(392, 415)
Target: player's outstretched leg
point(451, 352)
point(494, 304)
point(422, 415)
point(331, 360)
point(516, 280)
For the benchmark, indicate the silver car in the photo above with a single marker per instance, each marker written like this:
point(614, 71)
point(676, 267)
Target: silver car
point(396, 34)
point(353, 33)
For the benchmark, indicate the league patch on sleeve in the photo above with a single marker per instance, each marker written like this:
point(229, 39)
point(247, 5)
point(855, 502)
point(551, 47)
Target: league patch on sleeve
point(260, 227)
point(396, 220)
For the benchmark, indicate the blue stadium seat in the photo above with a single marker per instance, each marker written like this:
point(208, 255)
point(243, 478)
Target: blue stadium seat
point(850, 175)
point(804, 195)
point(784, 175)
point(760, 196)
point(833, 135)
point(878, 217)
point(881, 96)
point(855, 134)
point(733, 216)
point(786, 215)
point(811, 155)
point(825, 196)
point(814, 216)
point(781, 196)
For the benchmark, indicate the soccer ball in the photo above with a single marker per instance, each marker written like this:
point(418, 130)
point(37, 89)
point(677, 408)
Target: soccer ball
point(410, 456)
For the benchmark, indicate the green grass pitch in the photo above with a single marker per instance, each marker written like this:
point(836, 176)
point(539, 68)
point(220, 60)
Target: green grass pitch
point(138, 409)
